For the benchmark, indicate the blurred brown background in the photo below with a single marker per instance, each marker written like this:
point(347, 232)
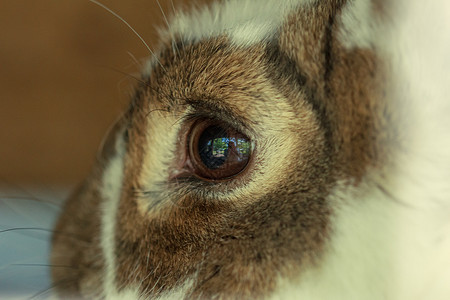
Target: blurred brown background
point(61, 81)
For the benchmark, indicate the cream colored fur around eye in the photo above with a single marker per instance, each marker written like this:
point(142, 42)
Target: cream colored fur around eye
point(162, 137)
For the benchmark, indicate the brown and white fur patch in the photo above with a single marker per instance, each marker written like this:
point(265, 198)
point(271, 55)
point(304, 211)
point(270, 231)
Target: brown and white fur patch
point(347, 181)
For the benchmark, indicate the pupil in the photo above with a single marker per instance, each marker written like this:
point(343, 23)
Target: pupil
point(219, 152)
point(214, 146)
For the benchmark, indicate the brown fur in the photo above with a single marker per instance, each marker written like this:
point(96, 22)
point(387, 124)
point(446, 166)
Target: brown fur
point(302, 97)
point(231, 248)
point(343, 85)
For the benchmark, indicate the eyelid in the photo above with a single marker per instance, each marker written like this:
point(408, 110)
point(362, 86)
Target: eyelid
point(207, 110)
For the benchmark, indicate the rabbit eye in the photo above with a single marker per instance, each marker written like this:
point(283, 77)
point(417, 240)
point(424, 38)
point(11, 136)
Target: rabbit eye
point(216, 151)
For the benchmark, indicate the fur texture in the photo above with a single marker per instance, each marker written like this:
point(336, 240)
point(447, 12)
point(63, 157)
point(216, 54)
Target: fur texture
point(245, 23)
point(345, 185)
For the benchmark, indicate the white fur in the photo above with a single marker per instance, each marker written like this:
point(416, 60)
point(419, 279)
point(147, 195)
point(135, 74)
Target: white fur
point(179, 292)
point(423, 73)
point(358, 26)
point(355, 265)
point(245, 22)
point(111, 193)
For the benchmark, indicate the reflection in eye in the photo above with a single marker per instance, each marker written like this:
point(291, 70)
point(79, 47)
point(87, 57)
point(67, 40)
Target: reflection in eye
point(220, 147)
point(218, 153)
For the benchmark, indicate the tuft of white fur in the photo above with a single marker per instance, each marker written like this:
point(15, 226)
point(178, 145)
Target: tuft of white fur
point(358, 24)
point(178, 292)
point(244, 22)
point(111, 192)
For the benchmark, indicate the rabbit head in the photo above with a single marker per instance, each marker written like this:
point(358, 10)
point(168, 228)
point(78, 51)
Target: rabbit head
point(229, 171)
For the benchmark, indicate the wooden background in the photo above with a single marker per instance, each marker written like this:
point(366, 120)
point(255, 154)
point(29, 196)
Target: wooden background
point(62, 82)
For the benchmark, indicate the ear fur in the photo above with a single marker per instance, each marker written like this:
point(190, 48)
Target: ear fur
point(343, 84)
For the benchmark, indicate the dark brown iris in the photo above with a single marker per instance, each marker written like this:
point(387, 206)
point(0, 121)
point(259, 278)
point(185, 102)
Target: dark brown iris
point(217, 151)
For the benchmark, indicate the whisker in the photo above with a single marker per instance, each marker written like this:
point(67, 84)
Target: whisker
point(173, 7)
point(135, 60)
point(29, 196)
point(134, 272)
point(163, 14)
point(46, 202)
point(161, 195)
point(45, 265)
point(52, 286)
point(139, 80)
point(65, 234)
point(154, 286)
point(174, 44)
point(152, 272)
point(131, 28)
point(182, 119)
point(130, 92)
point(176, 13)
point(155, 110)
point(25, 228)
point(128, 75)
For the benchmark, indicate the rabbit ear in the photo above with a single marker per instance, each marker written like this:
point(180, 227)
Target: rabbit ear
point(306, 39)
point(340, 78)
point(312, 34)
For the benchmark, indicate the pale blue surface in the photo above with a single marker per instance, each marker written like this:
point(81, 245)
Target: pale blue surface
point(28, 247)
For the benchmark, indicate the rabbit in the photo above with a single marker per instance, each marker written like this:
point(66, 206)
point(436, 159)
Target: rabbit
point(290, 149)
